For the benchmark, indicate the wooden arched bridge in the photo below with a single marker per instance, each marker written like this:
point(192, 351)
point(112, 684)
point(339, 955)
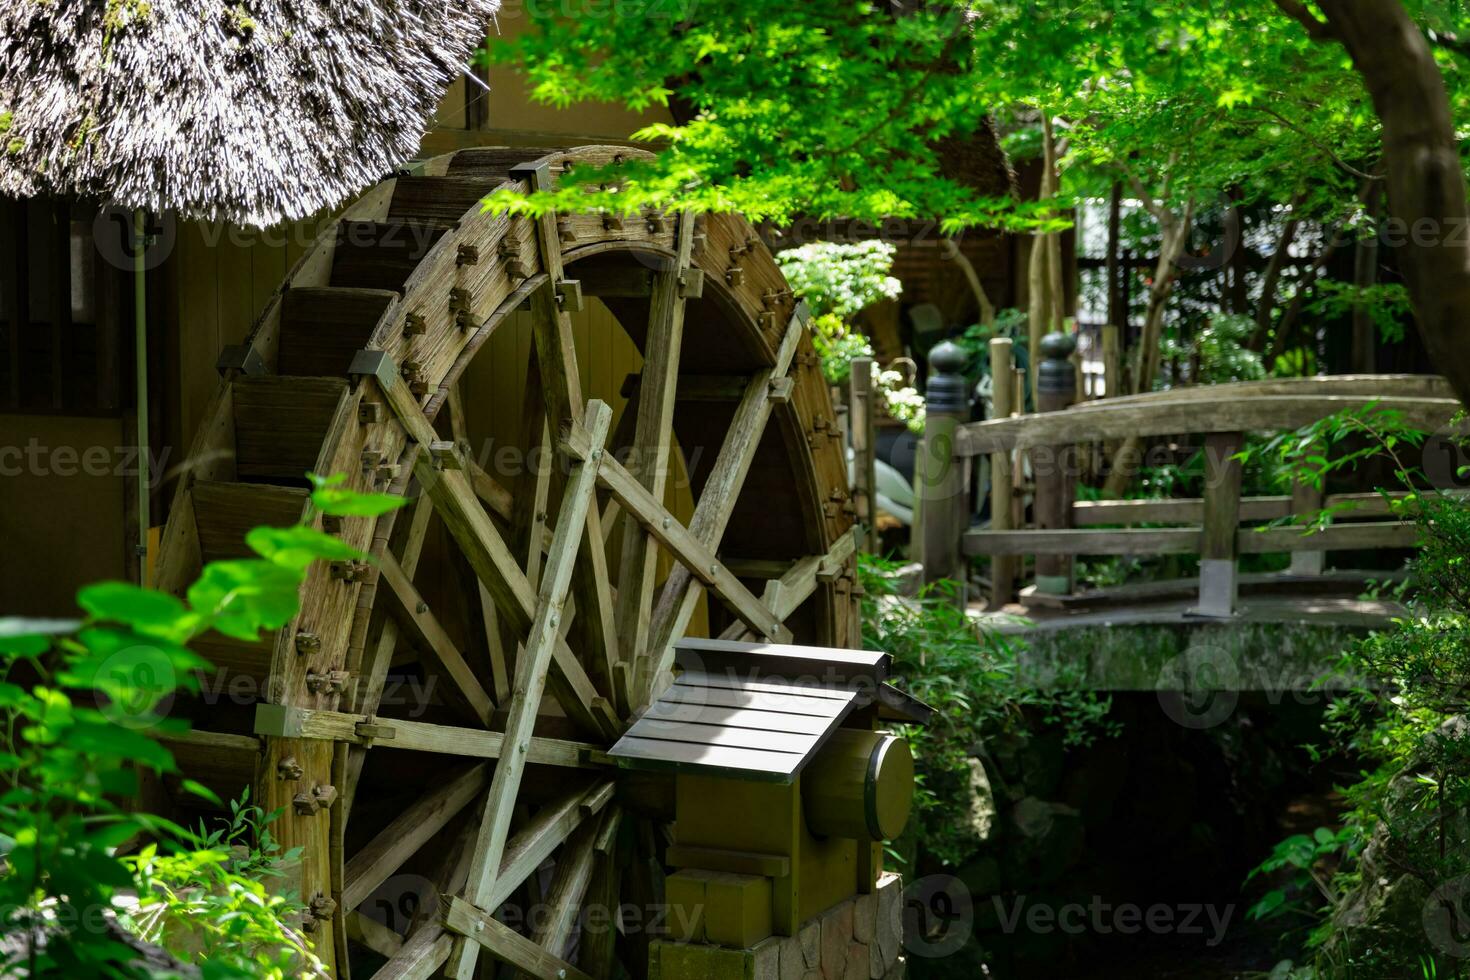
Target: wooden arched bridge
point(1033, 460)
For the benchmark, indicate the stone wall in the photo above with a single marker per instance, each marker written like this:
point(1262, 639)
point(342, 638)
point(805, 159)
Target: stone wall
point(859, 939)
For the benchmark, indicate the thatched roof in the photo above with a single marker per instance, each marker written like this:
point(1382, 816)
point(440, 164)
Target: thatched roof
point(254, 112)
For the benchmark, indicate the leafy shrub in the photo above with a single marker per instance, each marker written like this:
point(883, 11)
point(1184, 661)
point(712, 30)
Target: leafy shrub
point(970, 676)
point(81, 702)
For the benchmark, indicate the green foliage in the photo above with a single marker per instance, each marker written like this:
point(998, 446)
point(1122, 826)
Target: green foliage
point(837, 346)
point(1407, 826)
point(81, 702)
point(1221, 350)
point(1386, 304)
point(840, 279)
point(1212, 96)
point(971, 677)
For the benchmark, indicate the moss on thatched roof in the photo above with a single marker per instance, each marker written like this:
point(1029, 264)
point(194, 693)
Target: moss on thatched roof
point(254, 112)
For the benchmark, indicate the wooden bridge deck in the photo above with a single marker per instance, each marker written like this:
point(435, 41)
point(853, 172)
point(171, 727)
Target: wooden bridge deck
point(1316, 610)
point(1333, 598)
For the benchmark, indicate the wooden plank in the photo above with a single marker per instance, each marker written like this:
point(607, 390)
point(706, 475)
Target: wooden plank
point(1360, 385)
point(1077, 541)
point(419, 958)
point(758, 718)
point(531, 669)
point(1217, 573)
point(659, 729)
point(551, 825)
point(751, 764)
point(1002, 477)
point(1190, 510)
point(376, 862)
point(414, 614)
point(644, 511)
point(1334, 537)
point(725, 697)
point(786, 594)
point(505, 944)
point(498, 499)
point(648, 460)
point(1185, 540)
point(378, 656)
point(418, 736)
point(734, 862)
point(486, 550)
point(1182, 510)
point(716, 503)
point(781, 661)
point(573, 875)
point(1118, 419)
point(556, 354)
point(804, 687)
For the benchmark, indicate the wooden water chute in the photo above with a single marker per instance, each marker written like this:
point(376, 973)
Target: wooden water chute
point(434, 722)
point(785, 788)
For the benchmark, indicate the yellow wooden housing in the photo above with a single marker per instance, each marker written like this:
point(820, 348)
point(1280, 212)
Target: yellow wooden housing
point(784, 790)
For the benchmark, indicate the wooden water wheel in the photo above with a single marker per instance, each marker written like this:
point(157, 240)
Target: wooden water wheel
point(480, 788)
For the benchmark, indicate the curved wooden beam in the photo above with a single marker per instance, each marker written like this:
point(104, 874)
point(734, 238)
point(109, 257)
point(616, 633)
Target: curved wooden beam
point(1154, 416)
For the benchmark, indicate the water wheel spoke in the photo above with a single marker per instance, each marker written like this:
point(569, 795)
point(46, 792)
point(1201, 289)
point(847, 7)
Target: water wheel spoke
point(596, 944)
point(531, 673)
point(652, 441)
point(561, 383)
point(654, 521)
point(547, 830)
point(415, 616)
point(500, 502)
point(483, 546)
point(574, 867)
point(716, 503)
point(505, 944)
point(423, 953)
point(282, 721)
point(377, 861)
point(785, 594)
point(373, 934)
point(380, 647)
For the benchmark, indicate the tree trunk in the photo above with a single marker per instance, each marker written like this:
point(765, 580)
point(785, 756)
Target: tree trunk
point(1272, 277)
point(1426, 184)
point(1365, 276)
point(1171, 245)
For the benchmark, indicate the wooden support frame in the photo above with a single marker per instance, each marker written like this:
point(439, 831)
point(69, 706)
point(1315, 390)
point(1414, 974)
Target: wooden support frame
point(505, 944)
point(283, 721)
point(488, 554)
point(652, 442)
point(415, 615)
point(641, 507)
point(401, 839)
point(531, 669)
point(1217, 558)
point(676, 601)
point(562, 388)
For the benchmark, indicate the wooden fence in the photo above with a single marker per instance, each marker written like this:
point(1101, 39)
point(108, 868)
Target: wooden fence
point(1215, 418)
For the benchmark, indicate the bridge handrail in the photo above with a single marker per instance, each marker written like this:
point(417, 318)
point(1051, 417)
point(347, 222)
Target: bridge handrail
point(1161, 414)
point(1221, 414)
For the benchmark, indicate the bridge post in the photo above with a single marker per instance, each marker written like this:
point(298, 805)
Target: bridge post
point(1307, 499)
point(1002, 567)
point(1217, 558)
point(861, 412)
point(1054, 467)
point(940, 475)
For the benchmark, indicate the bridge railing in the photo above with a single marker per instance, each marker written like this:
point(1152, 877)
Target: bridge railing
point(1212, 526)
